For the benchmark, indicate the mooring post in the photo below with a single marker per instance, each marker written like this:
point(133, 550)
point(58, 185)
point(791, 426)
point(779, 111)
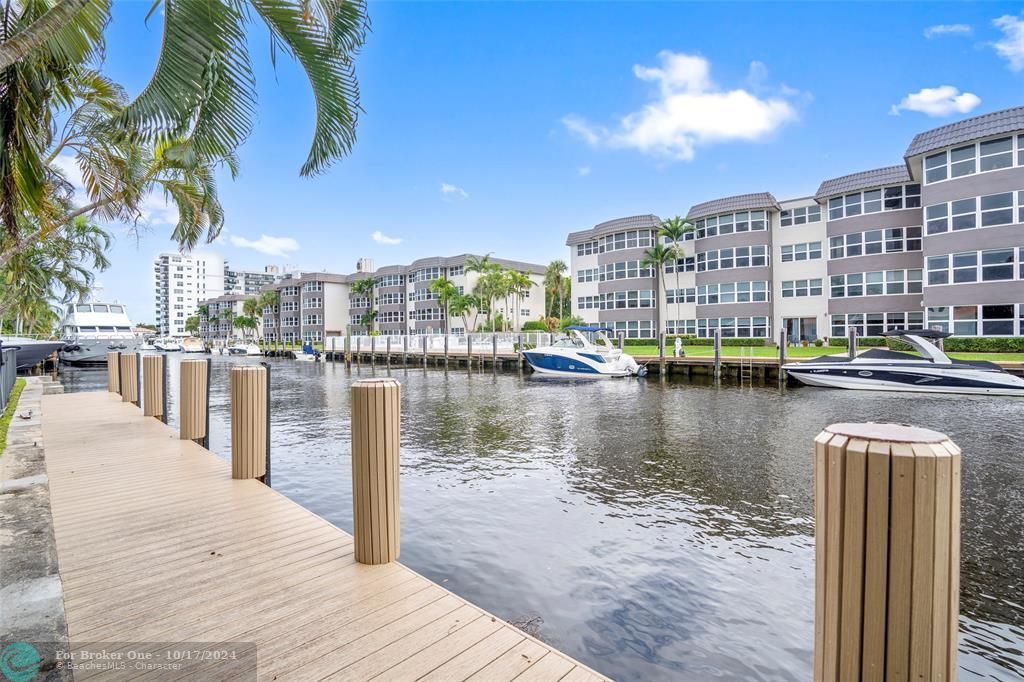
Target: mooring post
point(129, 378)
point(348, 349)
point(718, 353)
point(250, 422)
point(373, 350)
point(446, 349)
point(376, 411)
point(851, 342)
point(622, 340)
point(359, 348)
point(782, 355)
point(405, 349)
point(887, 553)
point(114, 372)
point(522, 358)
point(194, 406)
point(154, 390)
point(387, 350)
point(424, 340)
point(469, 351)
point(661, 354)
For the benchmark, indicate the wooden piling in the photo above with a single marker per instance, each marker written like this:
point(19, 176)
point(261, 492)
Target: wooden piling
point(469, 351)
point(373, 350)
point(851, 342)
point(661, 354)
point(114, 372)
point(129, 377)
point(887, 553)
point(193, 406)
point(387, 344)
point(249, 421)
point(718, 353)
point(494, 350)
point(782, 355)
point(446, 349)
point(153, 393)
point(424, 340)
point(375, 454)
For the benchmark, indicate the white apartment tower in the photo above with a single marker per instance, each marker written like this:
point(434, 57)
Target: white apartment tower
point(181, 281)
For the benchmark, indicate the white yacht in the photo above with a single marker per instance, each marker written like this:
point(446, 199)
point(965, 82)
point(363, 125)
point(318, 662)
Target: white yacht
point(242, 348)
point(574, 355)
point(191, 344)
point(932, 371)
point(167, 345)
point(30, 351)
point(93, 329)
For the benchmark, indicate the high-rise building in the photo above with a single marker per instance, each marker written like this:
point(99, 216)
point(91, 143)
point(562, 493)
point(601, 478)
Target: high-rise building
point(248, 282)
point(937, 242)
point(180, 282)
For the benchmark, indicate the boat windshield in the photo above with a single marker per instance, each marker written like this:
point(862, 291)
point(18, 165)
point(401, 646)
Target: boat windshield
point(567, 342)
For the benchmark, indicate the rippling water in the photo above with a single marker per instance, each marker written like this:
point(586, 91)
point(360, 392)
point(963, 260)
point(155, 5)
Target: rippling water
point(660, 530)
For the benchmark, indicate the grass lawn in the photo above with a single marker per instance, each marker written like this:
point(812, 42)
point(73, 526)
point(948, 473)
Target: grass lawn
point(5, 419)
point(798, 352)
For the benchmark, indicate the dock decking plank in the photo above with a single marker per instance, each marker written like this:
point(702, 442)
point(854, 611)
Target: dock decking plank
point(156, 542)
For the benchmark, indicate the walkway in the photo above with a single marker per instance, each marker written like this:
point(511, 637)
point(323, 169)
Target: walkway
point(157, 543)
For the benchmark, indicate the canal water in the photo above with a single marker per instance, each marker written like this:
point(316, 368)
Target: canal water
point(654, 530)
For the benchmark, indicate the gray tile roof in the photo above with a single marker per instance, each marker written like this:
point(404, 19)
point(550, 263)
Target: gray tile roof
point(634, 222)
point(740, 202)
point(1005, 121)
point(890, 175)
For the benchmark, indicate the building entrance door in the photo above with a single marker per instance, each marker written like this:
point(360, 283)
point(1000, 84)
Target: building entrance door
point(801, 329)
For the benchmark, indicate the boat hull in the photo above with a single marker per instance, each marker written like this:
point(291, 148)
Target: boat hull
point(31, 351)
point(567, 366)
point(94, 351)
point(925, 379)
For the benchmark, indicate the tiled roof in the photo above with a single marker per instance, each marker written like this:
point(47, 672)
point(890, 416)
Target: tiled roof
point(1005, 121)
point(890, 175)
point(741, 202)
point(634, 222)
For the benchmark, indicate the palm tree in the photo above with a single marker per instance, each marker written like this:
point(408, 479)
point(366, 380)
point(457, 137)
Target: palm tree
point(520, 283)
point(445, 291)
point(479, 265)
point(204, 81)
point(365, 287)
point(462, 305)
point(553, 286)
point(488, 288)
point(192, 324)
point(675, 230)
point(656, 258)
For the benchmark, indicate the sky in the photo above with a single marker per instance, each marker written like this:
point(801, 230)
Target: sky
point(502, 127)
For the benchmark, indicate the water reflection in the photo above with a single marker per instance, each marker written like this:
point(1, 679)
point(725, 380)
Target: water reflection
point(661, 530)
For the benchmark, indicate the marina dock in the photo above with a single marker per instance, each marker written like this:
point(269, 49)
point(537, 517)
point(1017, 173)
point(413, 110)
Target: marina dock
point(157, 543)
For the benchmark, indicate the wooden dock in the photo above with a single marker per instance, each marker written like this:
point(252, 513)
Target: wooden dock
point(157, 543)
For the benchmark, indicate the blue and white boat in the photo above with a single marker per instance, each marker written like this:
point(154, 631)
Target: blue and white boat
point(574, 355)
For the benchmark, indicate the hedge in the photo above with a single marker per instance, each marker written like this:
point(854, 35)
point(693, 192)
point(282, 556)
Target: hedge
point(695, 341)
point(534, 326)
point(963, 344)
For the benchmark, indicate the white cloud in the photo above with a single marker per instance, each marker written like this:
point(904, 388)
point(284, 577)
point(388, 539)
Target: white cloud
point(157, 210)
point(947, 30)
point(689, 111)
point(757, 74)
point(382, 238)
point(272, 246)
point(584, 171)
point(1011, 46)
point(449, 190)
point(941, 101)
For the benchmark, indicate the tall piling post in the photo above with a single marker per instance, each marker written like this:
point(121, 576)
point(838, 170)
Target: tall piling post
point(348, 348)
point(129, 376)
point(194, 405)
point(114, 372)
point(376, 408)
point(359, 348)
point(718, 353)
point(783, 341)
point(154, 400)
point(661, 354)
point(446, 349)
point(494, 350)
point(424, 340)
point(405, 348)
point(469, 351)
point(887, 553)
point(521, 348)
point(387, 351)
point(373, 350)
point(622, 340)
point(250, 422)
point(851, 342)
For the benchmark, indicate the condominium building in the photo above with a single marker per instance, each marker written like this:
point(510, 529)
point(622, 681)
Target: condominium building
point(314, 306)
point(217, 316)
point(180, 282)
point(936, 241)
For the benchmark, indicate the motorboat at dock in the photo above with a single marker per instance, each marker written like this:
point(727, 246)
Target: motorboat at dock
point(932, 371)
point(574, 355)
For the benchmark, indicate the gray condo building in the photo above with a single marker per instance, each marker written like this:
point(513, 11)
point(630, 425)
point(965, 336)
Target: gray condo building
point(936, 241)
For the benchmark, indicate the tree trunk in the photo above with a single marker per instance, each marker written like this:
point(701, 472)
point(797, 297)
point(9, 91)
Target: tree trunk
point(15, 48)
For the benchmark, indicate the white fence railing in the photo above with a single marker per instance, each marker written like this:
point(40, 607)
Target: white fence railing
point(8, 374)
point(458, 344)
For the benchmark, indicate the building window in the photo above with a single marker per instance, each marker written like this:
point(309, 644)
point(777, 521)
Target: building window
point(733, 327)
point(799, 288)
point(588, 275)
point(457, 271)
point(630, 239)
point(992, 265)
point(800, 216)
point(681, 295)
point(739, 257)
point(995, 154)
point(687, 264)
point(798, 252)
point(991, 210)
point(875, 324)
point(588, 302)
point(982, 157)
point(878, 283)
point(747, 221)
point(586, 248)
point(890, 240)
point(892, 198)
point(624, 270)
point(688, 327)
point(635, 329)
point(732, 292)
point(627, 299)
point(391, 281)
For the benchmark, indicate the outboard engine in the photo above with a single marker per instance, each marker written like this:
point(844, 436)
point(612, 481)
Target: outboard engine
point(628, 363)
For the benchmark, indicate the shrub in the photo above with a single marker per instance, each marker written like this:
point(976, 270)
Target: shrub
point(689, 340)
point(819, 343)
point(862, 341)
point(535, 326)
point(1009, 344)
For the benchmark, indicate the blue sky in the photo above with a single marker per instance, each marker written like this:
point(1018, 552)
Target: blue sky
point(543, 118)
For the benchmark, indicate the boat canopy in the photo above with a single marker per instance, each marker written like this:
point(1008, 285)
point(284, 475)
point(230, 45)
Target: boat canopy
point(581, 328)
